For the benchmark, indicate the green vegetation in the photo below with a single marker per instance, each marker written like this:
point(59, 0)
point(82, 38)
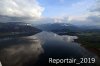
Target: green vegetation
point(90, 40)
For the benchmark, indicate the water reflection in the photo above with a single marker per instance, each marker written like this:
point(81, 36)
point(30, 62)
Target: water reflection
point(37, 49)
point(69, 38)
point(51, 35)
point(19, 51)
point(56, 46)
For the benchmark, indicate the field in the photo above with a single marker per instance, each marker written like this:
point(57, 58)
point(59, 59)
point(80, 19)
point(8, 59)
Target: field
point(91, 41)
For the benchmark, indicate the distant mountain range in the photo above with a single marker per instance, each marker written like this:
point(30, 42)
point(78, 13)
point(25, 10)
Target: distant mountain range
point(56, 26)
point(25, 29)
point(65, 28)
point(17, 29)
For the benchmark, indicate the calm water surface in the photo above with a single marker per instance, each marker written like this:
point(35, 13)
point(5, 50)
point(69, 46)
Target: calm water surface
point(37, 49)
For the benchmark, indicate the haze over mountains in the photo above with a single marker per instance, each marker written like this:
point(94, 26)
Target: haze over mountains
point(20, 28)
point(64, 27)
point(17, 29)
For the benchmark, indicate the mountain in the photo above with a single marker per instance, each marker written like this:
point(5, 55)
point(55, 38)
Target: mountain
point(59, 28)
point(66, 28)
point(17, 29)
point(89, 27)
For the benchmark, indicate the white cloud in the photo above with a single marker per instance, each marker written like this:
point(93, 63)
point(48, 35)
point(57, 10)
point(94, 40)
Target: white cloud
point(96, 6)
point(78, 4)
point(57, 19)
point(88, 18)
point(27, 10)
point(77, 18)
point(20, 8)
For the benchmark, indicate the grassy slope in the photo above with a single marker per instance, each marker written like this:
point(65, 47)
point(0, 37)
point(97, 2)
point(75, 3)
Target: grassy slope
point(91, 41)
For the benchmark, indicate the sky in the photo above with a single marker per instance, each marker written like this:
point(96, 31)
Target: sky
point(81, 12)
point(55, 8)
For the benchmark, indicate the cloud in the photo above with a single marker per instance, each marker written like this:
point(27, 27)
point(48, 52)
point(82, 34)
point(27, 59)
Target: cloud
point(77, 18)
point(21, 51)
point(80, 5)
point(57, 19)
point(94, 18)
point(31, 11)
point(51, 20)
point(20, 8)
point(96, 7)
point(91, 17)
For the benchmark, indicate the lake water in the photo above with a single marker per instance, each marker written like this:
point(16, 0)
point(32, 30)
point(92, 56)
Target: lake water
point(37, 49)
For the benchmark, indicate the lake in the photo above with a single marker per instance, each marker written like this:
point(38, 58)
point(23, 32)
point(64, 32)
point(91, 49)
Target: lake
point(36, 50)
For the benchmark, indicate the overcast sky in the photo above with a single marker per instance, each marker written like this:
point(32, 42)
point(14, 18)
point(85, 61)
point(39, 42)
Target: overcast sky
point(71, 11)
